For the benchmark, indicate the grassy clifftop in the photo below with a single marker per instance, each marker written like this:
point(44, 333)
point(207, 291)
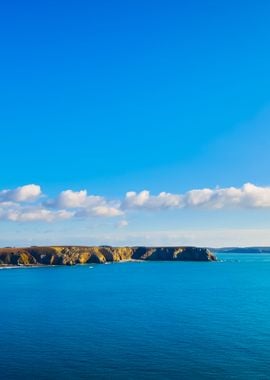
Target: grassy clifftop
point(72, 255)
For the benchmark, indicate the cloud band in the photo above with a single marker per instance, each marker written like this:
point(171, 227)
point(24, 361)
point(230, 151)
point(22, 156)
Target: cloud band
point(28, 203)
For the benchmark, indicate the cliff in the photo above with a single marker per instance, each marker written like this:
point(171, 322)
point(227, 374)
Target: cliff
point(72, 255)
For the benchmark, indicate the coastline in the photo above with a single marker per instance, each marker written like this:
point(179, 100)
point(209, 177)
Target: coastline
point(75, 255)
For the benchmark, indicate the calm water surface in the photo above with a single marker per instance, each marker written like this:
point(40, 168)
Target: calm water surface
point(150, 320)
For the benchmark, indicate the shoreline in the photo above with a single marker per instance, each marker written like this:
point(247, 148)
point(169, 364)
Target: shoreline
point(74, 255)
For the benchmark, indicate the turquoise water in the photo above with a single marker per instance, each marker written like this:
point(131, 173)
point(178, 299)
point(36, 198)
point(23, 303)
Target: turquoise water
point(150, 320)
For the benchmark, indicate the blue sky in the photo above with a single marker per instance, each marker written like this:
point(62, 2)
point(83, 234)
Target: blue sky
point(113, 97)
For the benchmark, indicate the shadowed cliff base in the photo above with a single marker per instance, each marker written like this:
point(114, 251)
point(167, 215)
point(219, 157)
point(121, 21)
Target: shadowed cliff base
point(72, 255)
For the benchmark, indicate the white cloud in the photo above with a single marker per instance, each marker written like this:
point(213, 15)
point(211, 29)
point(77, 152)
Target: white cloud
point(247, 196)
point(147, 201)
point(17, 213)
point(66, 205)
point(86, 205)
point(77, 199)
point(102, 211)
point(24, 204)
point(27, 193)
point(71, 199)
point(106, 211)
point(39, 215)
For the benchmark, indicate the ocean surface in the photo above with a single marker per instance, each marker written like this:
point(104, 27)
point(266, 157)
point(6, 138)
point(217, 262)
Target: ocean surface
point(146, 320)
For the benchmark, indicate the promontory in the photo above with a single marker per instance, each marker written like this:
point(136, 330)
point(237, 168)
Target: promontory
point(72, 255)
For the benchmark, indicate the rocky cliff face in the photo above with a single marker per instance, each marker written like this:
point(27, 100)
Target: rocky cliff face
point(71, 255)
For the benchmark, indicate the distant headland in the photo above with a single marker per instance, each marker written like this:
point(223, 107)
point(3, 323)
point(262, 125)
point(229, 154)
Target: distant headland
point(72, 255)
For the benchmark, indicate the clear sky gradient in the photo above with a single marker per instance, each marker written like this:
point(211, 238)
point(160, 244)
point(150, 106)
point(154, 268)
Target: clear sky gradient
point(112, 97)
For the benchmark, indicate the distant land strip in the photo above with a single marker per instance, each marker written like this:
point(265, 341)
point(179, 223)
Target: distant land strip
point(241, 250)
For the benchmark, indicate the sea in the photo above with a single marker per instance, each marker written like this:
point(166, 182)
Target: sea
point(137, 320)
